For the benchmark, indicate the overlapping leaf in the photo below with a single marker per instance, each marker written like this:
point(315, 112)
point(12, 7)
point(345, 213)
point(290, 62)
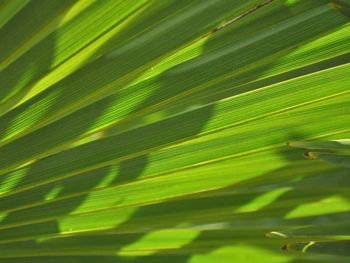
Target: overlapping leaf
point(153, 131)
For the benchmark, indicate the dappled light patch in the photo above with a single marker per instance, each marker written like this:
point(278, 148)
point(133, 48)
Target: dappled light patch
point(156, 131)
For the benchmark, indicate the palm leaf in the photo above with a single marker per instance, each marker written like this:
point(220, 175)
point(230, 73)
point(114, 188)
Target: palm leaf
point(157, 131)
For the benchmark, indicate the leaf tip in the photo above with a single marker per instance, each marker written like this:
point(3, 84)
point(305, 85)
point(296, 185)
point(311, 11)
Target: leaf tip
point(285, 248)
point(274, 234)
point(309, 155)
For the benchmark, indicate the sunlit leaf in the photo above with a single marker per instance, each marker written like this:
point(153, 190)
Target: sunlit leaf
point(174, 131)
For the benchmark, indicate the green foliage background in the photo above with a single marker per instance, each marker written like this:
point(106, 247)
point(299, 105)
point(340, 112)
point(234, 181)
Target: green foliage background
point(157, 131)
